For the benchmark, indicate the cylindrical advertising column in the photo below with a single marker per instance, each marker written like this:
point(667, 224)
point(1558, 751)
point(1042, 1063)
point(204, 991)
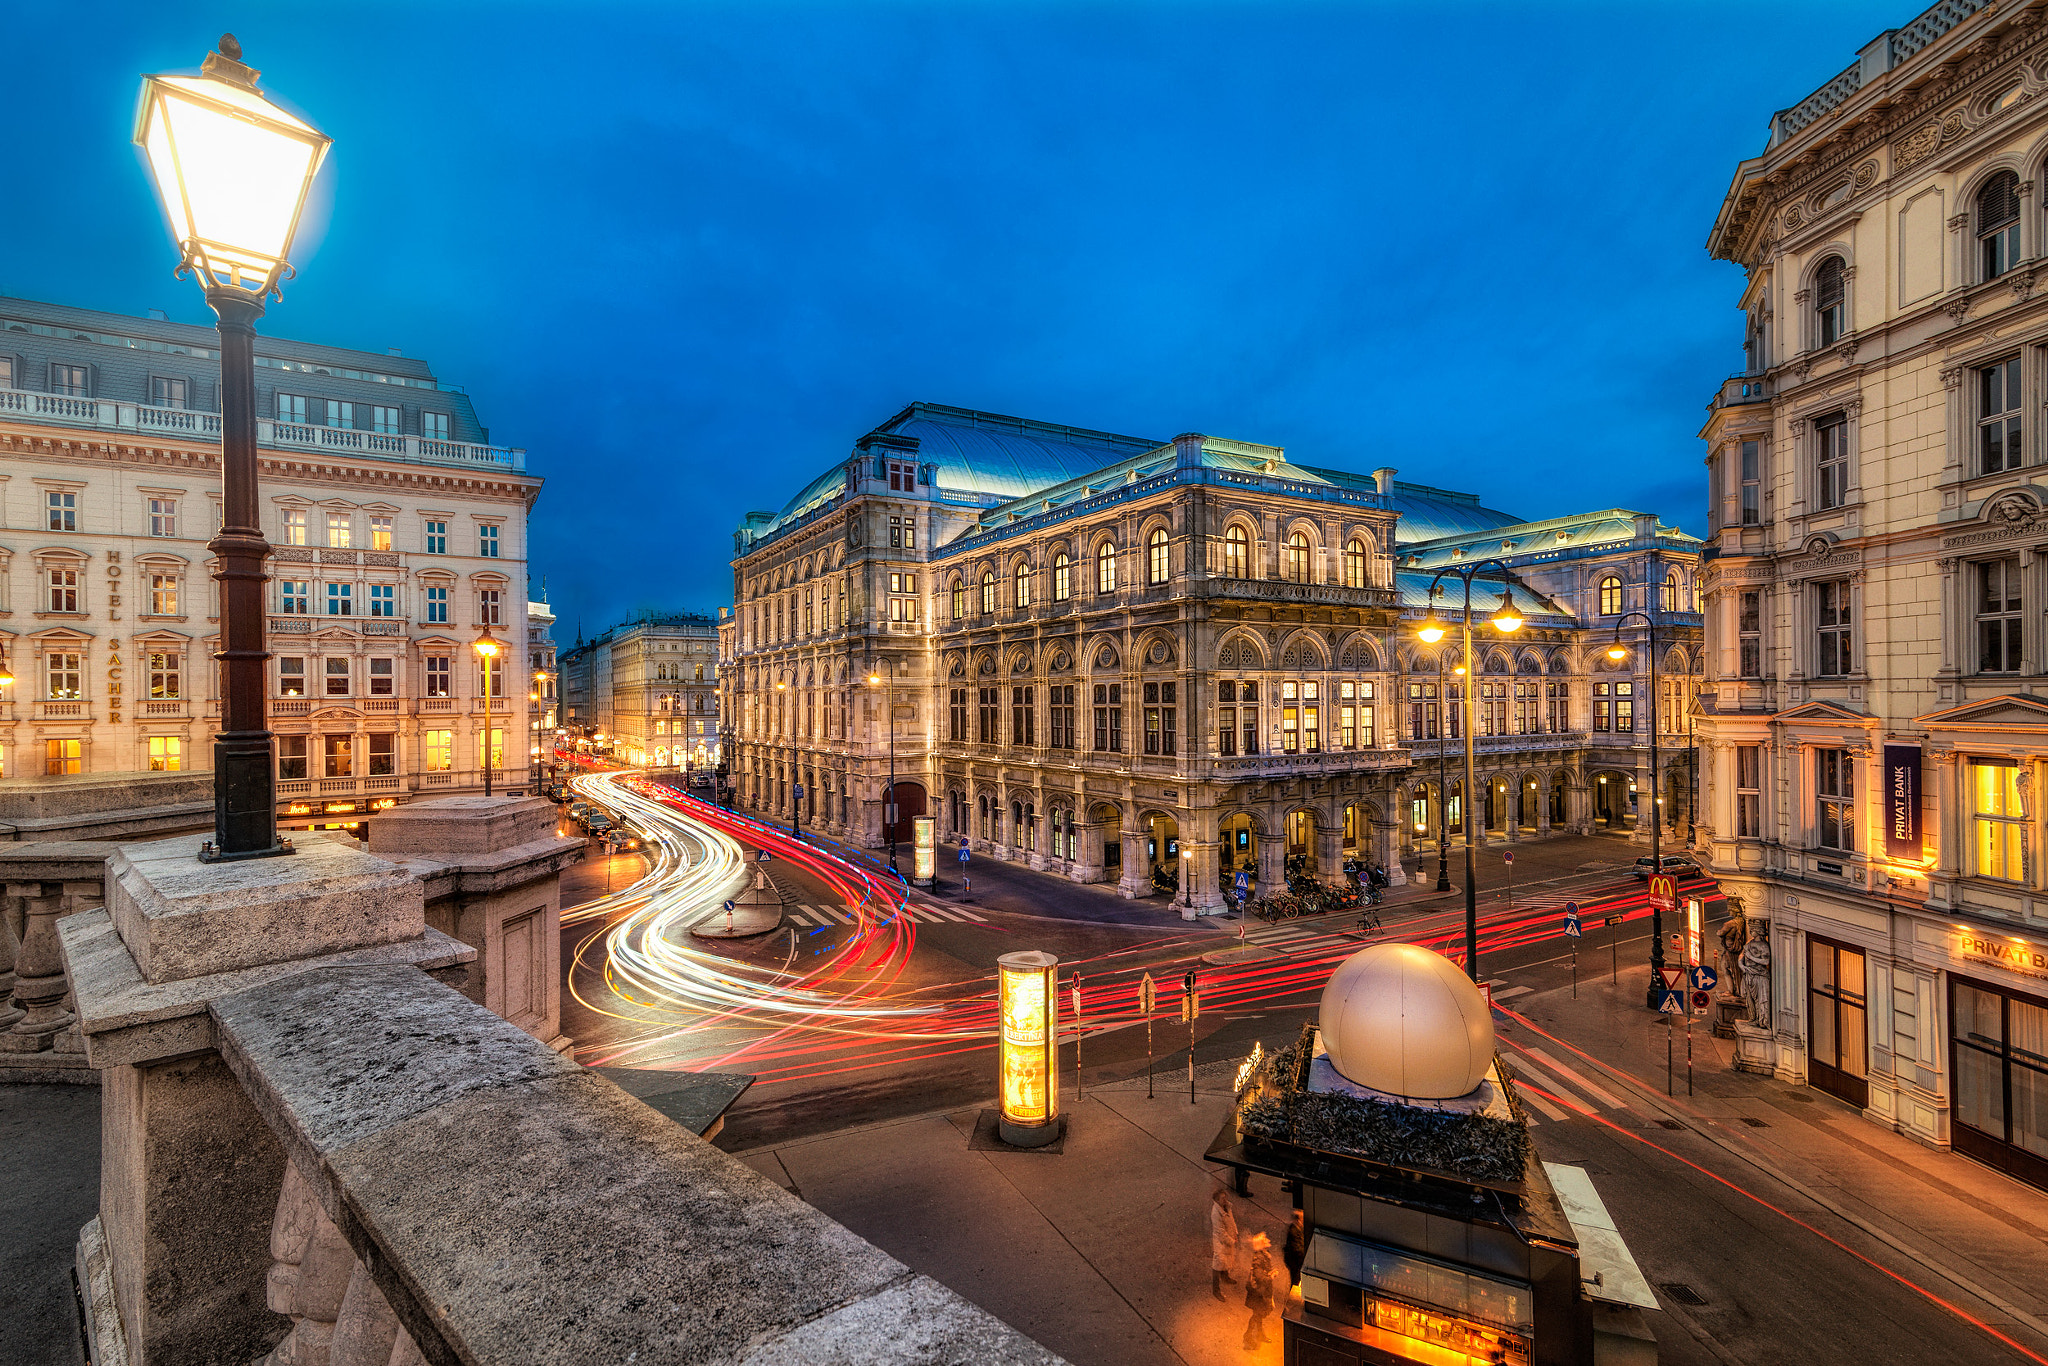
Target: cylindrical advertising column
point(1028, 993)
point(921, 866)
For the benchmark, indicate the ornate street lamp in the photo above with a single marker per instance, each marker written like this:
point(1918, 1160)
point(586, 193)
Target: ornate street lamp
point(1618, 652)
point(486, 647)
point(889, 796)
point(1507, 621)
point(232, 170)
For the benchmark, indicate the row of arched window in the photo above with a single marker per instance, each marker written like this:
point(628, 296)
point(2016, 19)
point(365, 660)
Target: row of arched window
point(1297, 561)
point(1671, 595)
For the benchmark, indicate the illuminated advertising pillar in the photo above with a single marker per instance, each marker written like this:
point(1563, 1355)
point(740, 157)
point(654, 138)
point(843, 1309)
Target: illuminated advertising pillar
point(922, 865)
point(1028, 995)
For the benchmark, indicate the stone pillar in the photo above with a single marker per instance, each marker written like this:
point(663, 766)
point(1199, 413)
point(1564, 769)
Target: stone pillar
point(1136, 880)
point(1088, 862)
point(492, 870)
point(1200, 895)
point(1646, 798)
point(39, 984)
point(10, 948)
point(1385, 853)
point(1543, 807)
point(1272, 851)
point(1330, 855)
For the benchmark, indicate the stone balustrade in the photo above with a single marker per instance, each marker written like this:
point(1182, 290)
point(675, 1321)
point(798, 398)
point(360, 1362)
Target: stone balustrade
point(43, 882)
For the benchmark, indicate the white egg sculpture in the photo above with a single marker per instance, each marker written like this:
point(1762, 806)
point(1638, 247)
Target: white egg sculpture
point(1405, 1020)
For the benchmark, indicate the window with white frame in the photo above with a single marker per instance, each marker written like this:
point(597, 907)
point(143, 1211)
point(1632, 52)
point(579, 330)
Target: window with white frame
point(166, 676)
point(489, 609)
point(902, 598)
point(438, 675)
point(1834, 790)
point(434, 426)
point(1749, 797)
point(294, 597)
point(1998, 225)
point(1831, 459)
point(341, 599)
point(383, 677)
point(388, 421)
point(291, 757)
point(1830, 301)
point(380, 532)
point(340, 756)
point(62, 505)
point(437, 750)
point(340, 529)
point(902, 476)
point(487, 540)
point(291, 676)
point(437, 538)
point(1998, 416)
point(63, 589)
point(1998, 821)
point(1105, 568)
point(166, 754)
point(63, 675)
point(295, 522)
point(1998, 616)
point(1831, 618)
point(74, 380)
point(163, 516)
point(1750, 473)
point(437, 604)
point(335, 413)
point(165, 392)
point(1062, 577)
point(383, 600)
point(163, 595)
point(337, 675)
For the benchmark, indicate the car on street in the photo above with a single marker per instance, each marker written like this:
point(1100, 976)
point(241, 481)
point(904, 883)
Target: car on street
point(596, 824)
point(1678, 865)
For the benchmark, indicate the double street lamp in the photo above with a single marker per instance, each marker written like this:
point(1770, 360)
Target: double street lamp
point(1507, 621)
point(1618, 652)
point(486, 647)
point(232, 171)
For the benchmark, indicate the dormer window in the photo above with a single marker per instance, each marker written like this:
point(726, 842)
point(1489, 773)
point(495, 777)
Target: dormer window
point(902, 476)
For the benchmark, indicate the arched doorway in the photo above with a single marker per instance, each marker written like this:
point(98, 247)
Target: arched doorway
point(1162, 850)
point(1238, 838)
point(1108, 822)
point(910, 804)
point(1614, 800)
point(1560, 810)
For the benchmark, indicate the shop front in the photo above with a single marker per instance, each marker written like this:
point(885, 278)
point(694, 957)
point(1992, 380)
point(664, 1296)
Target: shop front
point(1998, 1063)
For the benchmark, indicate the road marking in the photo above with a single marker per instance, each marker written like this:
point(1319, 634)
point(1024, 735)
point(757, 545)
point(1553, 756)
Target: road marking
point(1605, 1097)
point(1545, 1106)
point(1538, 1076)
point(936, 914)
point(797, 913)
point(833, 911)
point(979, 920)
point(1511, 993)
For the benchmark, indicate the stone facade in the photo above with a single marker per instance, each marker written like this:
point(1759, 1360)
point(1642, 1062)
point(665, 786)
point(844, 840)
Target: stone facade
point(650, 687)
point(1195, 647)
point(1876, 717)
point(398, 533)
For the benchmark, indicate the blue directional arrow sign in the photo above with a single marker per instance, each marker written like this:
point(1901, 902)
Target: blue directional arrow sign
point(728, 905)
point(1571, 919)
point(1703, 978)
point(1670, 1004)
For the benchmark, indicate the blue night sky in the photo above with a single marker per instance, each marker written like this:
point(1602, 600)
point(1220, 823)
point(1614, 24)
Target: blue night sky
point(686, 254)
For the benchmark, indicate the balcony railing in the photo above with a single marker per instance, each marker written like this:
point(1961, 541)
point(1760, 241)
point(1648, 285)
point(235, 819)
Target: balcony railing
point(108, 415)
point(1281, 764)
point(1740, 389)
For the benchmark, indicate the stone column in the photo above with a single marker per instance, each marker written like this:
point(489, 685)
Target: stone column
point(39, 983)
point(1330, 855)
point(1136, 879)
point(1088, 861)
point(1384, 852)
point(1272, 865)
point(1201, 896)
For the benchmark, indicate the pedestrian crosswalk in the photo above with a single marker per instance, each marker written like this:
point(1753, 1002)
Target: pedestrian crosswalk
point(815, 915)
point(1304, 936)
point(1538, 1069)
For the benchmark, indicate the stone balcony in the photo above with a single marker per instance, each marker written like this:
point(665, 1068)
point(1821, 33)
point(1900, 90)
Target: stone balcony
point(141, 420)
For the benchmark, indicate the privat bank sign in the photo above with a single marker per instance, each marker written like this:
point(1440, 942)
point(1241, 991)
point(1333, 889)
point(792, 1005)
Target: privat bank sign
point(2024, 959)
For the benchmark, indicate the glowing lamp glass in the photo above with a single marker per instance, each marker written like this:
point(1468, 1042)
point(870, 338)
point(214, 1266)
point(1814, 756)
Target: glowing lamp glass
point(1029, 1002)
point(1617, 653)
point(1431, 630)
point(232, 170)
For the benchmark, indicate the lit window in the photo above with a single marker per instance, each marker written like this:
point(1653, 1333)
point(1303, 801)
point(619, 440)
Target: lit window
point(1237, 553)
point(1023, 585)
point(340, 753)
point(380, 533)
point(294, 526)
point(1105, 568)
point(1062, 577)
point(1354, 564)
point(959, 599)
point(291, 676)
point(1157, 556)
point(63, 673)
point(63, 507)
point(340, 530)
point(62, 757)
point(437, 750)
point(165, 676)
point(163, 595)
point(1997, 820)
point(1297, 558)
point(163, 516)
point(988, 591)
point(1610, 597)
point(166, 754)
point(437, 538)
point(1834, 787)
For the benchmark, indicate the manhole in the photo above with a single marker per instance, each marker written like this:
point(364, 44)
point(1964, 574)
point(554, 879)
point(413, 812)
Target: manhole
point(1681, 1292)
point(1671, 1124)
point(1754, 1123)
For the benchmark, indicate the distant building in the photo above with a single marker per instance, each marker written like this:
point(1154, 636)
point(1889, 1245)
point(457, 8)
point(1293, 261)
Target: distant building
point(399, 533)
point(1876, 718)
point(545, 694)
point(1103, 651)
point(649, 687)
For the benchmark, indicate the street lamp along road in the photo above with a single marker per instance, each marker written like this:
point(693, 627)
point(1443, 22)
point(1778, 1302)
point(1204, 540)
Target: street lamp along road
point(889, 794)
point(232, 170)
point(1507, 621)
point(486, 647)
point(1618, 652)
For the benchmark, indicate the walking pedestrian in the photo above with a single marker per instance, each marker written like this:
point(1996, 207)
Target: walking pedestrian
point(1222, 1242)
point(1258, 1291)
point(1295, 1251)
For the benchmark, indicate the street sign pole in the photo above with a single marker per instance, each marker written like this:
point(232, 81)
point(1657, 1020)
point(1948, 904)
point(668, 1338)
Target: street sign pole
point(1078, 1032)
point(1191, 1006)
point(1571, 928)
point(1510, 859)
point(1145, 1004)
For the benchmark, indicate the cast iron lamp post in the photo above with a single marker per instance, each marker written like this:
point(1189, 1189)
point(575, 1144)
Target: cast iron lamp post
point(486, 648)
point(232, 170)
point(889, 794)
point(1507, 621)
point(1618, 652)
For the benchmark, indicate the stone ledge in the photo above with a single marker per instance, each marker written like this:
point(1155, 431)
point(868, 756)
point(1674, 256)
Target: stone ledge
point(516, 1209)
point(126, 1018)
point(483, 874)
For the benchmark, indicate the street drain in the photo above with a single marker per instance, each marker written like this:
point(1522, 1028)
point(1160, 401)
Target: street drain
point(1671, 1124)
point(1754, 1123)
point(1681, 1292)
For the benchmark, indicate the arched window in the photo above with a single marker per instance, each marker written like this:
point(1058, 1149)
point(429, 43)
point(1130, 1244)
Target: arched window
point(1297, 558)
point(1354, 564)
point(1670, 594)
point(988, 591)
point(1023, 580)
point(1237, 553)
point(1105, 568)
point(1610, 596)
point(959, 598)
point(1156, 556)
point(1998, 225)
point(1062, 577)
point(1830, 293)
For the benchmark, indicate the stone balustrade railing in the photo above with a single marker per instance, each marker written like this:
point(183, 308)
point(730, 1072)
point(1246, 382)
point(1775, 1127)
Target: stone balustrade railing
point(43, 882)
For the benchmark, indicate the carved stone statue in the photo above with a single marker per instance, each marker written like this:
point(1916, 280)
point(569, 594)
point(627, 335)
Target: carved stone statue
point(1733, 931)
point(1756, 973)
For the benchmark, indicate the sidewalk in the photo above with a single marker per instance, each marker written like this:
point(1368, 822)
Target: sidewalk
point(50, 1136)
point(1099, 1251)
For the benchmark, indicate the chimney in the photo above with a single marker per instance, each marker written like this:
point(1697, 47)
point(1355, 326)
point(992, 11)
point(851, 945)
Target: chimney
point(1187, 451)
point(1384, 477)
point(1646, 526)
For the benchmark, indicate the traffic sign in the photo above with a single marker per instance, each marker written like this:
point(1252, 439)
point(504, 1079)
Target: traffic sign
point(1670, 1004)
point(1509, 856)
point(963, 853)
point(1612, 921)
point(799, 791)
point(1672, 977)
point(1145, 994)
point(1190, 1007)
point(1664, 891)
point(1244, 882)
point(1701, 1000)
point(1703, 978)
point(766, 856)
point(728, 906)
point(1571, 922)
